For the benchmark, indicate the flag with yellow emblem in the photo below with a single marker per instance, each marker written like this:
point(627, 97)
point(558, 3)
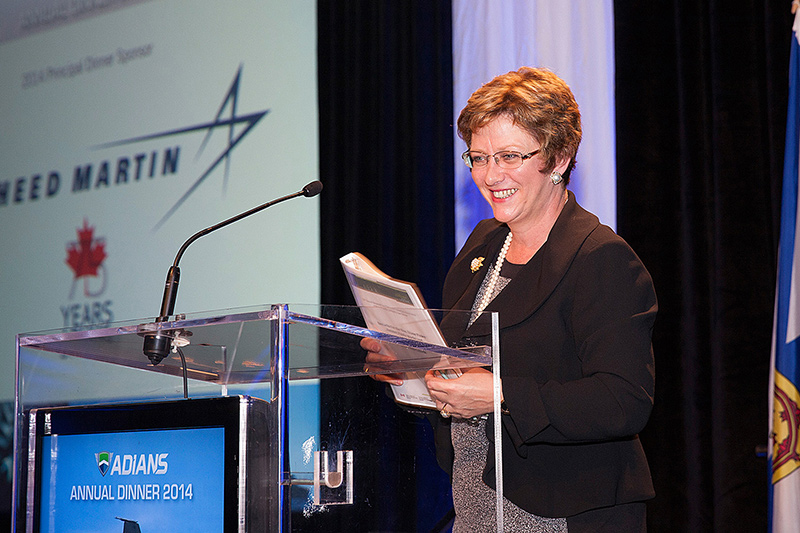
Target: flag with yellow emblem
point(784, 434)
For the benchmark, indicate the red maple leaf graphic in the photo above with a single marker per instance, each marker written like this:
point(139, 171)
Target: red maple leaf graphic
point(86, 255)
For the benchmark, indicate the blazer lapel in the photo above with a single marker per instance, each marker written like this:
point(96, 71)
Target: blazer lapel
point(464, 276)
point(463, 280)
point(537, 280)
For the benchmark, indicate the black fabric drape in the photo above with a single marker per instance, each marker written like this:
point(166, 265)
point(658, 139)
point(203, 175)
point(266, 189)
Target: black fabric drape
point(386, 152)
point(386, 146)
point(701, 91)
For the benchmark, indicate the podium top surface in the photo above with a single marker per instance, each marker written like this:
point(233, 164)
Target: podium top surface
point(237, 345)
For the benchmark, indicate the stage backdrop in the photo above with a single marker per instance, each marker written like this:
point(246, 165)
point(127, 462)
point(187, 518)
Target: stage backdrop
point(127, 126)
point(574, 40)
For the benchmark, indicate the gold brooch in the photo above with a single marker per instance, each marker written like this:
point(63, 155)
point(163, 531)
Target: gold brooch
point(476, 264)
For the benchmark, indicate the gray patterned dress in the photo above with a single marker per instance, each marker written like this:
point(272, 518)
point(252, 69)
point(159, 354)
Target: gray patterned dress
point(474, 501)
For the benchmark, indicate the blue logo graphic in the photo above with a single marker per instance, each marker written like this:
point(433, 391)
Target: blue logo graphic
point(233, 120)
point(103, 461)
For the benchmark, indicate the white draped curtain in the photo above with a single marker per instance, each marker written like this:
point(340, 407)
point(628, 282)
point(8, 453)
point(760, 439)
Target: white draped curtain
point(574, 39)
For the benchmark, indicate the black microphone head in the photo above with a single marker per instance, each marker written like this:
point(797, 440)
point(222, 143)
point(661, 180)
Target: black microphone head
point(312, 189)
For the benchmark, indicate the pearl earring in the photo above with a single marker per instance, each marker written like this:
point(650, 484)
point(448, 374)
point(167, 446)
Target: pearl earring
point(556, 177)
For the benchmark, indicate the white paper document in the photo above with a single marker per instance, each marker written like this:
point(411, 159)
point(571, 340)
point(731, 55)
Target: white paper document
point(395, 307)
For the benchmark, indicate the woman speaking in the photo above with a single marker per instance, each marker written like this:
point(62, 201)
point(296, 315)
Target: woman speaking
point(576, 309)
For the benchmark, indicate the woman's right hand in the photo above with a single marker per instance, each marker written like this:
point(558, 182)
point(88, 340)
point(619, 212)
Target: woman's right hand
point(377, 356)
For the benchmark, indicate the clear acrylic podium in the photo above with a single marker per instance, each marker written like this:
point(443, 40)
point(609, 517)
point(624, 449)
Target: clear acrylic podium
point(318, 445)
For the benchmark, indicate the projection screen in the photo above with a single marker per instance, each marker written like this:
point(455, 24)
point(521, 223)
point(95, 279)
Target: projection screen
point(129, 125)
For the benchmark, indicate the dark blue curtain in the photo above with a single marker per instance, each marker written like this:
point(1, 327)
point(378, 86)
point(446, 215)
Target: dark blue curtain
point(385, 106)
point(385, 100)
point(701, 93)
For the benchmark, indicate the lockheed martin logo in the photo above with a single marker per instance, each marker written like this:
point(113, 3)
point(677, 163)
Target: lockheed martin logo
point(138, 165)
point(103, 461)
point(226, 117)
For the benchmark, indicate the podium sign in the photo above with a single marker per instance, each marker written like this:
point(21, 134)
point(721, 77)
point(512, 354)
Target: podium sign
point(158, 466)
point(224, 429)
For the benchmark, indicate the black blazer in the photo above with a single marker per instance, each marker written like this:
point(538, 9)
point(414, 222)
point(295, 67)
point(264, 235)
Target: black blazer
point(576, 363)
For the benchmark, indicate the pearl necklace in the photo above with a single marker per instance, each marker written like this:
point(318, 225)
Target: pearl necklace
point(494, 276)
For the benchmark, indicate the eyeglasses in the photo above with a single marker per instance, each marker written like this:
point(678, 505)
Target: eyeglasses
point(504, 159)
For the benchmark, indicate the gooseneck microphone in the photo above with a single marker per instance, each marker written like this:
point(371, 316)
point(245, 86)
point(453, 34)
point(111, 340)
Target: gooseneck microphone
point(158, 345)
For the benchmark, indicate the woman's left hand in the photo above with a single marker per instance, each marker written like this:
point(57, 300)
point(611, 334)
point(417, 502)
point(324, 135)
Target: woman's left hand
point(469, 395)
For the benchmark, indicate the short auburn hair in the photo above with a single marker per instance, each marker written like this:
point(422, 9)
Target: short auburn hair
point(536, 100)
